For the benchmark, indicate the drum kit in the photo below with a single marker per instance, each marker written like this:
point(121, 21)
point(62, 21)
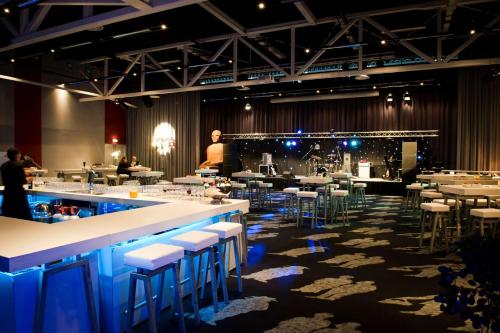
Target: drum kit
point(317, 165)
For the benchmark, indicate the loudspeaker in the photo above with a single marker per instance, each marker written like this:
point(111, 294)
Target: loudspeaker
point(148, 102)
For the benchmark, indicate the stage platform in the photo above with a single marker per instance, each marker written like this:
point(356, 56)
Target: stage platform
point(373, 185)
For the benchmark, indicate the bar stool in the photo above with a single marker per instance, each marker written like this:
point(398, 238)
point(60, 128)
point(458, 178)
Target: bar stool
point(489, 216)
point(253, 191)
point(265, 194)
point(228, 232)
point(339, 200)
point(476, 203)
point(433, 213)
point(238, 190)
point(359, 194)
point(290, 201)
point(84, 267)
point(413, 195)
point(150, 261)
point(196, 243)
point(428, 196)
point(309, 198)
point(111, 180)
point(76, 178)
point(122, 177)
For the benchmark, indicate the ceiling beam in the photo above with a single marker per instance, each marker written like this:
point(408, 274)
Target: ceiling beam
point(450, 8)
point(8, 24)
point(45, 85)
point(262, 55)
point(222, 16)
point(472, 39)
point(82, 3)
point(139, 4)
point(167, 73)
point(117, 15)
point(328, 43)
point(319, 76)
point(213, 58)
point(402, 42)
point(125, 72)
point(38, 18)
point(306, 12)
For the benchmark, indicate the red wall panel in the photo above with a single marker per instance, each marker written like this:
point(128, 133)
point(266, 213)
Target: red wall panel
point(115, 123)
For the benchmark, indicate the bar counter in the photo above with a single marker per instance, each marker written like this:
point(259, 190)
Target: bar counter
point(27, 248)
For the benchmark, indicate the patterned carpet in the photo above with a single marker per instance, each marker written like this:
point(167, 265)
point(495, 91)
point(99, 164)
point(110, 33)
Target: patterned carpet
point(367, 277)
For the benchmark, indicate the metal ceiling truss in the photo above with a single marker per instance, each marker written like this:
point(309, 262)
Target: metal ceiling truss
point(334, 135)
point(290, 71)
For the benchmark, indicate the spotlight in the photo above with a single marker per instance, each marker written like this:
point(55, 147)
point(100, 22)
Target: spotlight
point(204, 100)
point(307, 50)
point(317, 91)
point(294, 143)
point(344, 143)
point(280, 94)
point(472, 31)
point(96, 79)
point(248, 107)
point(389, 98)
point(354, 143)
point(406, 97)
point(331, 90)
point(383, 42)
point(288, 143)
point(374, 87)
point(299, 131)
point(6, 10)
point(52, 51)
point(179, 68)
point(421, 83)
point(261, 5)
point(230, 61)
point(12, 60)
point(61, 85)
point(134, 74)
point(117, 102)
point(163, 27)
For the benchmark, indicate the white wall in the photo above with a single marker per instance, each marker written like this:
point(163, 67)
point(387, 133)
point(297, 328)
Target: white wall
point(72, 132)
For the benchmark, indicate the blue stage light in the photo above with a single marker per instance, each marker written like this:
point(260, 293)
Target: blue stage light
point(344, 143)
point(299, 131)
point(294, 143)
point(354, 143)
point(288, 143)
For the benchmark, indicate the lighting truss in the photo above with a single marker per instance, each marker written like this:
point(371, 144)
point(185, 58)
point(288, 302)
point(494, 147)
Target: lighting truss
point(335, 135)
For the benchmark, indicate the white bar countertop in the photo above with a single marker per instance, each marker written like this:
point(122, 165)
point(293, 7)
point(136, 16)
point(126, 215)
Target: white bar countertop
point(25, 244)
point(147, 174)
point(316, 180)
point(244, 174)
point(471, 190)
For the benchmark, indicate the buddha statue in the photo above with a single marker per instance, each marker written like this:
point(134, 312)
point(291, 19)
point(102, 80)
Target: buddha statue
point(214, 152)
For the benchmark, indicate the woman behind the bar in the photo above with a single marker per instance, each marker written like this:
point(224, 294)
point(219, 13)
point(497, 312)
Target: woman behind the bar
point(15, 202)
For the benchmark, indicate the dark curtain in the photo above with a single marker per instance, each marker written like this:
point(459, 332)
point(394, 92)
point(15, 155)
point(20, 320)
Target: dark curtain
point(432, 108)
point(182, 111)
point(478, 143)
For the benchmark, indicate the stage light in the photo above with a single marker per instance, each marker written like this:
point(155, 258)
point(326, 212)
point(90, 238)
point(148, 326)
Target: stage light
point(354, 143)
point(261, 5)
point(389, 98)
point(299, 132)
point(406, 97)
point(134, 74)
point(383, 42)
point(12, 60)
point(179, 68)
point(317, 91)
point(163, 27)
point(248, 107)
point(288, 143)
point(374, 87)
point(280, 94)
point(294, 143)
point(472, 31)
point(6, 10)
point(419, 157)
point(421, 83)
point(230, 61)
point(96, 79)
point(331, 90)
point(204, 100)
point(52, 51)
point(344, 143)
point(307, 50)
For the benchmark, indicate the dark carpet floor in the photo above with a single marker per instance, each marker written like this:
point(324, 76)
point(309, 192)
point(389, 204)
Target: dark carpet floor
point(367, 277)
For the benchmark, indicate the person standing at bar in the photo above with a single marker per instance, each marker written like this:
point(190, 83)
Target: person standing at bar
point(15, 202)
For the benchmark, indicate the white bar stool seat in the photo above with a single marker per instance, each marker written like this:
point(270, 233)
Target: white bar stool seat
point(449, 202)
point(307, 194)
point(339, 201)
point(434, 207)
point(291, 190)
point(309, 198)
point(434, 213)
point(359, 185)
point(486, 215)
point(153, 256)
point(195, 241)
point(478, 203)
point(290, 201)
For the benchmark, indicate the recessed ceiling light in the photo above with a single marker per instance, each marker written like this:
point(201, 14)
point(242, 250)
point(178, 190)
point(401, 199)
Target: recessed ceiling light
point(374, 87)
point(6, 10)
point(12, 60)
point(383, 42)
point(361, 77)
point(96, 79)
point(280, 94)
point(179, 68)
point(317, 91)
point(421, 83)
point(331, 90)
point(204, 100)
point(472, 31)
point(307, 50)
point(134, 74)
point(52, 51)
point(230, 61)
point(261, 5)
point(163, 27)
